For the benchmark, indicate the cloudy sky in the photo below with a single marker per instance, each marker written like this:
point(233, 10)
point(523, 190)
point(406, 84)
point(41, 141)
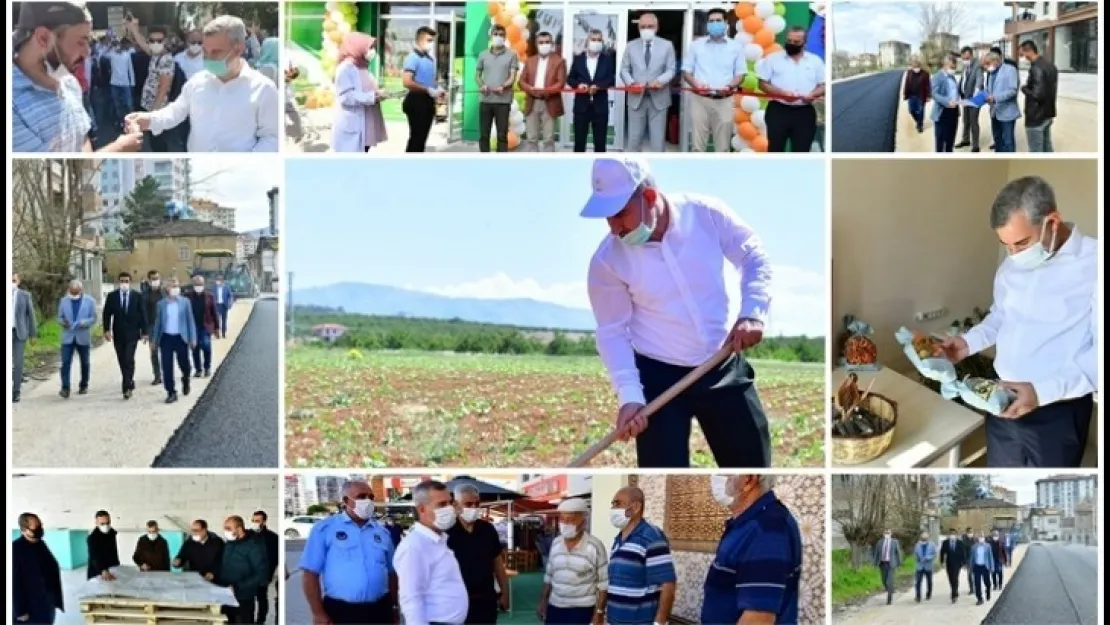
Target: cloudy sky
point(860, 26)
point(1023, 483)
point(238, 182)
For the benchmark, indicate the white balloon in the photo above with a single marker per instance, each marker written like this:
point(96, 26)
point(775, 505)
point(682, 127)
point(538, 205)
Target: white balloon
point(736, 145)
point(776, 24)
point(747, 150)
point(759, 118)
point(331, 6)
point(519, 129)
point(749, 103)
point(512, 6)
point(338, 17)
point(743, 37)
point(520, 20)
point(516, 117)
point(764, 9)
point(343, 28)
point(753, 52)
point(526, 34)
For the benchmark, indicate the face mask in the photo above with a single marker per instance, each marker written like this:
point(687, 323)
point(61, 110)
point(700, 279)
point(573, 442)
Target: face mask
point(619, 518)
point(498, 41)
point(568, 531)
point(643, 232)
point(156, 283)
point(886, 536)
point(229, 535)
point(156, 48)
point(174, 291)
point(595, 46)
point(74, 296)
point(369, 59)
point(104, 527)
point(197, 538)
point(364, 508)
point(647, 34)
point(1035, 255)
point(217, 66)
point(982, 540)
point(124, 286)
point(152, 535)
point(917, 70)
point(718, 487)
point(544, 49)
point(445, 518)
point(255, 527)
point(198, 289)
point(194, 48)
point(716, 29)
point(470, 515)
point(952, 537)
point(793, 48)
point(37, 533)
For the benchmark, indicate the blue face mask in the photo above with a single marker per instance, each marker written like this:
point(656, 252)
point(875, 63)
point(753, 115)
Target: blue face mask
point(217, 66)
point(717, 29)
point(642, 233)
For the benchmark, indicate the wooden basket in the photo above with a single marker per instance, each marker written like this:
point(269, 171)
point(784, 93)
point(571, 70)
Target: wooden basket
point(850, 450)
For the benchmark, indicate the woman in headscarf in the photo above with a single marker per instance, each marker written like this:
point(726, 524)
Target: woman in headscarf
point(358, 124)
point(269, 62)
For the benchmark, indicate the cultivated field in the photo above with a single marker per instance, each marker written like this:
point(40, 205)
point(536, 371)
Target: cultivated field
point(380, 409)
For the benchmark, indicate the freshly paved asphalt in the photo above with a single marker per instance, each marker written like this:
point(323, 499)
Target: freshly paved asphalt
point(865, 112)
point(1054, 585)
point(235, 424)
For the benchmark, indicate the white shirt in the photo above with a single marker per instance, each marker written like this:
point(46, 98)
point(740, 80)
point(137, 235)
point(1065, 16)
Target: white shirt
point(123, 73)
point(1044, 322)
point(190, 65)
point(667, 300)
point(576, 576)
point(240, 115)
point(219, 294)
point(591, 64)
point(431, 584)
point(173, 317)
point(801, 75)
point(541, 73)
point(11, 307)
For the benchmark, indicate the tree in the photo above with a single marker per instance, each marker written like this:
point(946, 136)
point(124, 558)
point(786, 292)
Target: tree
point(935, 18)
point(964, 491)
point(143, 208)
point(266, 15)
point(318, 508)
point(865, 506)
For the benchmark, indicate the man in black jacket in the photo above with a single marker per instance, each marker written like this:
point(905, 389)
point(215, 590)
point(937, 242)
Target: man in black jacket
point(1040, 99)
point(968, 540)
point(201, 553)
point(272, 542)
point(103, 550)
point(36, 577)
point(953, 557)
point(124, 324)
point(152, 294)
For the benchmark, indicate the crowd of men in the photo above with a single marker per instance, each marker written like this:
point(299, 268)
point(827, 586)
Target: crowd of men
point(174, 324)
point(450, 568)
point(156, 89)
point(243, 560)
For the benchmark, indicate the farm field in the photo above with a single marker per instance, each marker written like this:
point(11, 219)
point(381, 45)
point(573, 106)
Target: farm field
point(380, 409)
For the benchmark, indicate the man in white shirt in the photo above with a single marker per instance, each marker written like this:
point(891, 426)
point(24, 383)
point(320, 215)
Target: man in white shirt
point(122, 81)
point(230, 106)
point(576, 580)
point(656, 286)
point(1043, 325)
point(431, 591)
point(798, 79)
point(191, 59)
point(713, 67)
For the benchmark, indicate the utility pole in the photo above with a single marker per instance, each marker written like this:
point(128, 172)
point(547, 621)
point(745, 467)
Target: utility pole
point(290, 333)
point(188, 190)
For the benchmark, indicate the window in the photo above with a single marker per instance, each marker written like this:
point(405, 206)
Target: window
point(183, 253)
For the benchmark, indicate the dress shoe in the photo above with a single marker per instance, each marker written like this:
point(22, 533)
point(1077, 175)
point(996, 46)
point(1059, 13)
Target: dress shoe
point(156, 382)
point(83, 391)
point(127, 394)
point(185, 386)
point(64, 393)
point(171, 398)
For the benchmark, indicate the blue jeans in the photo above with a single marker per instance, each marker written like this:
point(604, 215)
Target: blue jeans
point(1003, 133)
point(122, 104)
point(945, 129)
point(917, 111)
point(569, 616)
point(222, 309)
point(1040, 137)
point(173, 347)
point(203, 348)
point(67, 364)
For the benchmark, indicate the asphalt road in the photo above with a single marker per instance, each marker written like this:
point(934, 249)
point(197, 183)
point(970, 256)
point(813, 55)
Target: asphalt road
point(1054, 585)
point(865, 113)
point(296, 608)
point(235, 423)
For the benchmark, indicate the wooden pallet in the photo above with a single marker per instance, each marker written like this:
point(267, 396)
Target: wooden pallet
point(125, 611)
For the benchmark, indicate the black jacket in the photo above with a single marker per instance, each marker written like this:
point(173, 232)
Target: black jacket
point(203, 557)
point(126, 325)
point(272, 543)
point(36, 580)
point(953, 557)
point(103, 551)
point(1040, 92)
point(151, 297)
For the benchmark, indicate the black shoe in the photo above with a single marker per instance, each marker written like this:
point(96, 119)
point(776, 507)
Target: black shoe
point(127, 394)
point(928, 597)
point(15, 399)
point(992, 146)
point(185, 386)
point(156, 382)
point(84, 390)
point(171, 398)
point(207, 373)
point(197, 374)
point(954, 599)
point(975, 150)
point(962, 144)
point(979, 602)
point(889, 599)
point(64, 393)
point(917, 599)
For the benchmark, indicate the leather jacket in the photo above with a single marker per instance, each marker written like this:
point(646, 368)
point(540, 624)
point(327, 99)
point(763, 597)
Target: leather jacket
point(1040, 93)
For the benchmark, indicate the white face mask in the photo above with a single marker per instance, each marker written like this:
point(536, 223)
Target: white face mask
point(194, 48)
point(230, 536)
point(152, 535)
point(74, 296)
point(916, 70)
point(718, 486)
point(197, 538)
point(104, 527)
point(1037, 254)
point(370, 54)
point(255, 527)
point(568, 530)
point(157, 48)
point(498, 41)
point(122, 286)
point(156, 283)
point(647, 34)
point(470, 515)
point(364, 508)
point(619, 518)
point(445, 518)
point(544, 49)
point(594, 46)
point(175, 291)
point(198, 289)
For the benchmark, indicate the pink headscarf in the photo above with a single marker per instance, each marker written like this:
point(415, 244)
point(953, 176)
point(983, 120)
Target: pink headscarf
point(356, 46)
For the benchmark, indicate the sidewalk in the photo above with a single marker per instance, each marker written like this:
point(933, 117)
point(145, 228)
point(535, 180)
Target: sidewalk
point(101, 429)
point(317, 132)
point(940, 609)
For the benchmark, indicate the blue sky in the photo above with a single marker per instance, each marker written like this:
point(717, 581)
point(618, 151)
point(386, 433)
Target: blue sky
point(507, 228)
point(860, 26)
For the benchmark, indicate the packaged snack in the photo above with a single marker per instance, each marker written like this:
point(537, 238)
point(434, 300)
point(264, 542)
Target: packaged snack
point(926, 356)
point(859, 352)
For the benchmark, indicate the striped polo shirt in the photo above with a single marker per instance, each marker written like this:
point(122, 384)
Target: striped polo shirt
point(639, 565)
point(757, 567)
point(576, 575)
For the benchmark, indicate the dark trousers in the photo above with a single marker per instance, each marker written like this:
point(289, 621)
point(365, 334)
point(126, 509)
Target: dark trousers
point(1050, 436)
point(155, 361)
point(996, 576)
point(886, 575)
point(121, 105)
point(970, 580)
point(982, 577)
point(18, 350)
point(489, 115)
point(928, 577)
point(173, 347)
point(67, 364)
point(1009, 556)
point(971, 126)
point(262, 605)
point(482, 611)
point(795, 126)
point(202, 353)
point(1003, 133)
point(125, 356)
point(222, 309)
point(569, 616)
point(243, 613)
point(917, 111)
point(725, 403)
point(152, 143)
point(420, 110)
point(87, 100)
point(379, 612)
point(953, 580)
point(945, 129)
point(592, 119)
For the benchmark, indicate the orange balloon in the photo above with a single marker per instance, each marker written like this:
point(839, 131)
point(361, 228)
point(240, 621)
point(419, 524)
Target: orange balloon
point(744, 9)
point(764, 37)
point(503, 19)
point(494, 9)
point(759, 143)
point(514, 140)
point(748, 131)
point(738, 101)
point(753, 23)
point(512, 32)
point(740, 116)
point(520, 46)
point(771, 49)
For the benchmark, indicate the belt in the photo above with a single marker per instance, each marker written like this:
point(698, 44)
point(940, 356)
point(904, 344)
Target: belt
point(715, 96)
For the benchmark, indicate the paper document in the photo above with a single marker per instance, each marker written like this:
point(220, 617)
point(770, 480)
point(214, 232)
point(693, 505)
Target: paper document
point(977, 100)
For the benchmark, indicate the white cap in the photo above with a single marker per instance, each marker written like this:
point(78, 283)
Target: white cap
point(615, 179)
point(574, 505)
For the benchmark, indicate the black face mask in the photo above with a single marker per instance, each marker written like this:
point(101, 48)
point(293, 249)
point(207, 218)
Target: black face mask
point(793, 48)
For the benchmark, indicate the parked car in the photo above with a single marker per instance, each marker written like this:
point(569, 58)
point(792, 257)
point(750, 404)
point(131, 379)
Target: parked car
point(299, 527)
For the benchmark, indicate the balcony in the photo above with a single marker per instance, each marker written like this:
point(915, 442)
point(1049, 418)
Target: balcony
point(1025, 24)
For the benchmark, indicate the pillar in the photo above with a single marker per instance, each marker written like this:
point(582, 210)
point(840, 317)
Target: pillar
point(604, 487)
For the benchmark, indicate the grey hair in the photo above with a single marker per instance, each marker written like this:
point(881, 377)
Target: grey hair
point(234, 27)
point(766, 483)
point(994, 57)
point(76, 283)
point(421, 493)
point(198, 277)
point(349, 484)
point(466, 489)
point(1031, 194)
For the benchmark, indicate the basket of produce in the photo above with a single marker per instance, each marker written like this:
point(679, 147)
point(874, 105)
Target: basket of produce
point(857, 349)
point(863, 423)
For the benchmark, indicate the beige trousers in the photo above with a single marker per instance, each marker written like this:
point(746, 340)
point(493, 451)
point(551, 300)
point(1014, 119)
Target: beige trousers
point(711, 118)
point(539, 124)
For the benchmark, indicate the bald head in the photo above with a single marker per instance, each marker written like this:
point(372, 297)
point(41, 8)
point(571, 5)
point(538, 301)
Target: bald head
point(631, 500)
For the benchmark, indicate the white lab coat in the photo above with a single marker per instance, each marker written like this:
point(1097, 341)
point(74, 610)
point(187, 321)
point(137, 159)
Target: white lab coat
point(351, 102)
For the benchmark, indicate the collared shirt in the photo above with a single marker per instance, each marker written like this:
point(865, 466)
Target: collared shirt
point(123, 72)
point(577, 575)
point(639, 566)
point(715, 62)
point(591, 64)
point(190, 65)
point(219, 294)
point(541, 73)
point(240, 115)
point(171, 323)
point(1044, 322)
point(75, 304)
point(354, 562)
point(981, 554)
point(476, 550)
point(161, 65)
point(667, 300)
point(924, 553)
point(423, 68)
point(886, 550)
point(496, 66)
point(757, 566)
point(45, 120)
point(12, 306)
point(802, 75)
point(431, 584)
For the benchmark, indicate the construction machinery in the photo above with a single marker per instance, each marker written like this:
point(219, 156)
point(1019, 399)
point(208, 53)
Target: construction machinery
point(237, 275)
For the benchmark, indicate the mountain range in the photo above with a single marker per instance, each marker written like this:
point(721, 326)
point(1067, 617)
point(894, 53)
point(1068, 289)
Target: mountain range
point(375, 299)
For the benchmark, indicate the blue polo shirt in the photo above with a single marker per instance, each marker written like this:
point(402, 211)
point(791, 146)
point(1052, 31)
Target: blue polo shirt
point(638, 567)
point(423, 68)
point(354, 563)
point(757, 567)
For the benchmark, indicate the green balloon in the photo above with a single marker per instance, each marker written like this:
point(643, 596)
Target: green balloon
point(780, 9)
point(751, 82)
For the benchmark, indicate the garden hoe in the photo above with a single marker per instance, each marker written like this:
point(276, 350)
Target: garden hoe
point(655, 404)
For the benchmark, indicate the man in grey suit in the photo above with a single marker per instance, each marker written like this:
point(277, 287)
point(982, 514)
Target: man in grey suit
point(24, 329)
point(1003, 83)
point(971, 82)
point(888, 557)
point(174, 334)
point(77, 316)
point(647, 68)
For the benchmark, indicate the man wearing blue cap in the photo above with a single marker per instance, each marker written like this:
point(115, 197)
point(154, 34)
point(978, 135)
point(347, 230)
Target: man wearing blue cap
point(656, 286)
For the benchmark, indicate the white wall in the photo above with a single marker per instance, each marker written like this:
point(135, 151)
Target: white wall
point(605, 487)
